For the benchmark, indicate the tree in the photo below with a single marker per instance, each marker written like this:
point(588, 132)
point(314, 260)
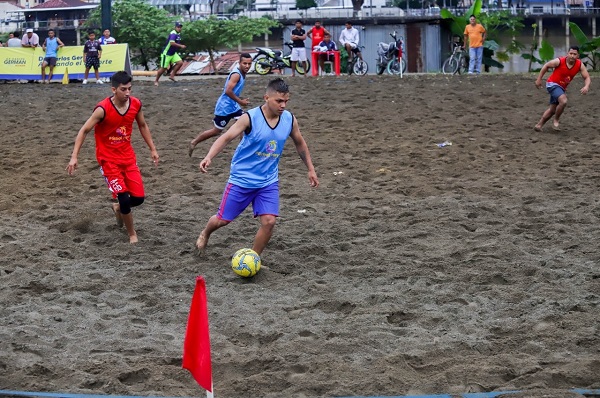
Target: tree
point(305, 4)
point(213, 34)
point(143, 27)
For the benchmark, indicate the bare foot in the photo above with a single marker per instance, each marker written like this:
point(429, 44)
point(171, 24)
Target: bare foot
point(156, 83)
point(537, 128)
point(133, 239)
point(556, 126)
point(115, 208)
point(171, 78)
point(202, 242)
point(191, 149)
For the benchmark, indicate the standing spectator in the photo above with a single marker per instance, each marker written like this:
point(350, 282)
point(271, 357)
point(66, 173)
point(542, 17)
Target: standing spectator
point(169, 55)
point(30, 39)
point(317, 33)
point(51, 46)
point(349, 39)
point(298, 50)
point(328, 45)
point(14, 41)
point(475, 34)
point(107, 38)
point(92, 52)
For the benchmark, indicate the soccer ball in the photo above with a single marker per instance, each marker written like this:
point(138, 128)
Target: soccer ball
point(245, 262)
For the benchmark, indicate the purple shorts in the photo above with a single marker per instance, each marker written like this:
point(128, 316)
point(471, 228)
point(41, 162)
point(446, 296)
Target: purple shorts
point(235, 200)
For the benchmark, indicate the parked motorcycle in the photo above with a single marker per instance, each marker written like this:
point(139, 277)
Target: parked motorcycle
point(389, 56)
point(267, 60)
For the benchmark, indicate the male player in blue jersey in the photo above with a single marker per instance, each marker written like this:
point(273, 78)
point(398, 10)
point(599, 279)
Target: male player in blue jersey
point(254, 175)
point(229, 105)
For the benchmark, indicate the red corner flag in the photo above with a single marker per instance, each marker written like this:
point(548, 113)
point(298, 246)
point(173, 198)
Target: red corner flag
point(196, 346)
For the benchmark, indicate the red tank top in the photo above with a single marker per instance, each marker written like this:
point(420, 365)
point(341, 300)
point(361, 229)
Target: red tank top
point(562, 74)
point(317, 35)
point(113, 133)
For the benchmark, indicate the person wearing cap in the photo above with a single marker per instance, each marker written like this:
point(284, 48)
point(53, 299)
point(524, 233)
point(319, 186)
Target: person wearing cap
point(30, 39)
point(169, 55)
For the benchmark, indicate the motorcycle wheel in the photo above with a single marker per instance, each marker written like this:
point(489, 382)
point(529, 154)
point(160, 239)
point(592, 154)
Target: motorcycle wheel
point(379, 67)
point(262, 66)
point(393, 67)
point(360, 67)
point(300, 68)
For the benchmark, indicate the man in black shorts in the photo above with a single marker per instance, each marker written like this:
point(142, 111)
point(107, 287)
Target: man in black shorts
point(92, 52)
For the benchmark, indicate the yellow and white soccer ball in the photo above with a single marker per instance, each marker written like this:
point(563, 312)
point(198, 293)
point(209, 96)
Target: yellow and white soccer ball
point(245, 262)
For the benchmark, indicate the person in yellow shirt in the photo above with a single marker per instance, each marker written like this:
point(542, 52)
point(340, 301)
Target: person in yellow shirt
point(475, 35)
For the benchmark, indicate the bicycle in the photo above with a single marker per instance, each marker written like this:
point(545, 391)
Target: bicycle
point(357, 65)
point(457, 62)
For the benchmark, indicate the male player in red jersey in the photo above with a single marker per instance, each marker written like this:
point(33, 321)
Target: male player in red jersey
point(113, 122)
point(565, 69)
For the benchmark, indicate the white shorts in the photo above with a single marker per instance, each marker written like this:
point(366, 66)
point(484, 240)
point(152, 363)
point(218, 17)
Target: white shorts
point(352, 45)
point(298, 54)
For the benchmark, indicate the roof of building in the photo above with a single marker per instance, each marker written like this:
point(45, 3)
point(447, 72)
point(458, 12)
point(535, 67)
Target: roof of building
point(62, 4)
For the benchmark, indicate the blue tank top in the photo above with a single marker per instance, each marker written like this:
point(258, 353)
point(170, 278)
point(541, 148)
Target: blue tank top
point(255, 163)
point(51, 47)
point(225, 105)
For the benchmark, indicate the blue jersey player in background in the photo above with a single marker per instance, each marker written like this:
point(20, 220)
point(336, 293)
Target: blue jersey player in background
point(229, 105)
point(254, 174)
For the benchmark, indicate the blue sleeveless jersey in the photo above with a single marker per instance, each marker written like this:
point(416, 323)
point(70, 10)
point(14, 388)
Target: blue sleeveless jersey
point(255, 163)
point(225, 105)
point(51, 47)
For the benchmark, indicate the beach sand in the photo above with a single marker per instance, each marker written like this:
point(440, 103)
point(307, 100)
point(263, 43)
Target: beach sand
point(412, 269)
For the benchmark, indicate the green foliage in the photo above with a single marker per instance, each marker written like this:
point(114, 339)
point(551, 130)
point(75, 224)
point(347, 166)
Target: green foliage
point(499, 25)
point(305, 4)
point(589, 49)
point(212, 34)
point(135, 22)
point(545, 53)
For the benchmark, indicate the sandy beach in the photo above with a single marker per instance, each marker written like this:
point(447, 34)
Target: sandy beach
point(412, 269)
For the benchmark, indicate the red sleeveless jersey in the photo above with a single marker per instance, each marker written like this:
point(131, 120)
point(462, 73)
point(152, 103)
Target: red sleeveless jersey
point(562, 74)
point(113, 133)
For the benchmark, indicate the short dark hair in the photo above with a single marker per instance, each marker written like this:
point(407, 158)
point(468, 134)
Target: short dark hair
point(245, 55)
point(348, 22)
point(472, 16)
point(91, 32)
point(576, 48)
point(278, 85)
point(297, 20)
point(16, 34)
point(119, 78)
point(51, 30)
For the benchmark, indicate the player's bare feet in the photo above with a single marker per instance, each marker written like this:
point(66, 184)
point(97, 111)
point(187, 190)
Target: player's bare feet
point(202, 241)
point(172, 78)
point(191, 149)
point(156, 83)
point(118, 216)
point(538, 128)
point(133, 239)
point(556, 126)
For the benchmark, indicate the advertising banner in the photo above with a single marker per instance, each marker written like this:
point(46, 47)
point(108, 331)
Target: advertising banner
point(26, 63)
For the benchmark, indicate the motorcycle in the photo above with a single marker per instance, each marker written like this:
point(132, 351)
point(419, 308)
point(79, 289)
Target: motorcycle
point(267, 60)
point(389, 56)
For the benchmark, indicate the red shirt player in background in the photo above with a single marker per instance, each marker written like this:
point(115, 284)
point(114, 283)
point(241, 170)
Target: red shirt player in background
point(565, 69)
point(113, 122)
point(316, 34)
